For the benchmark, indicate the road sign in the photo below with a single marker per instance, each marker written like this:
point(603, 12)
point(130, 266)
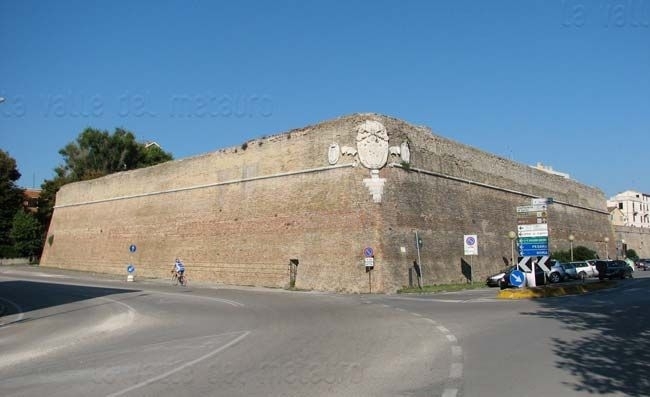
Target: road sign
point(533, 246)
point(533, 252)
point(471, 244)
point(132, 248)
point(130, 268)
point(533, 240)
point(531, 220)
point(517, 278)
point(370, 262)
point(534, 227)
point(531, 208)
point(367, 252)
point(534, 233)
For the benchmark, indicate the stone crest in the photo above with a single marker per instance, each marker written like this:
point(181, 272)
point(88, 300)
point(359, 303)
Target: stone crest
point(372, 144)
point(372, 151)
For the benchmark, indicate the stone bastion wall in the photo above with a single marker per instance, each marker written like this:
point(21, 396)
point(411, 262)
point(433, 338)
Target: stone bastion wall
point(319, 194)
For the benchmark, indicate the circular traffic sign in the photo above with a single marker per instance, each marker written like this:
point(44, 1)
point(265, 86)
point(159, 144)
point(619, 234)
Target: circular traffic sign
point(517, 278)
point(367, 252)
point(470, 240)
point(132, 248)
point(130, 268)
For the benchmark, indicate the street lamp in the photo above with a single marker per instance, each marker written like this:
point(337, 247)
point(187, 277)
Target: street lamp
point(571, 238)
point(512, 235)
point(606, 248)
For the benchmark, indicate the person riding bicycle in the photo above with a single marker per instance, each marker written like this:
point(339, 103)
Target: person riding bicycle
point(178, 268)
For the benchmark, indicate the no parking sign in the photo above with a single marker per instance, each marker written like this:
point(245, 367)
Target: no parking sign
point(471, 244)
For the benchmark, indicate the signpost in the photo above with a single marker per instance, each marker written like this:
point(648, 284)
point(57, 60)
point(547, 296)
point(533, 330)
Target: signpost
point(130, 268)
point(369, 262)
point(418, 245)
point(532, 231)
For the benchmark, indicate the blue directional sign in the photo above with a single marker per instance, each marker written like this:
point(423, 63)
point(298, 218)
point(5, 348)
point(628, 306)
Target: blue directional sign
point(533, 247)
point(132, 248)
point(517, 278)
point(130, 268)
point(533, 252)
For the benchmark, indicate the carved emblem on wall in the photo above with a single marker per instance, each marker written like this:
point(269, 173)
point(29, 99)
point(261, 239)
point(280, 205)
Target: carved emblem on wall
point(372, 150)
point(372, 144)
point(333, 153)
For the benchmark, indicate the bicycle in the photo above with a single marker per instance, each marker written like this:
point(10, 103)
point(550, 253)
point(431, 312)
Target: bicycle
point(182, 280)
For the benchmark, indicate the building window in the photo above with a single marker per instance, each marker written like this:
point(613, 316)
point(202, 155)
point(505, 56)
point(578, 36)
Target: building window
point(620, 206)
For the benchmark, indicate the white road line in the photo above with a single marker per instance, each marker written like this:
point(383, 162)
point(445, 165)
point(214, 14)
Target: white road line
point(450, 393)
point(456, 371)
point(182, 367)
point(417, 314)
point(451, 338)
point(434, 322)
point(226, 301)
point(456, 351)
point(442, 329)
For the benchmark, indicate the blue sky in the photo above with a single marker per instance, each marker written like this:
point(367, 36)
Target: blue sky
point(565, 82)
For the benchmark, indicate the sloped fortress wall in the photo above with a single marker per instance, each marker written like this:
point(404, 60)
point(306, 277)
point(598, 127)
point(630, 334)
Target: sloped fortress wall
point(319, 194)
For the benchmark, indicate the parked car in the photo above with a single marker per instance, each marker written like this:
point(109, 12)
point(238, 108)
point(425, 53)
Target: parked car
point(540, 277)
point(557, 272)
point(495, 280)
point(584, 269)
point(643, 264)
point(569, 270)
point(613, 269)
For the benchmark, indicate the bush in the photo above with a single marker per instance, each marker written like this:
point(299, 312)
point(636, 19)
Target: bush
point(8, 251)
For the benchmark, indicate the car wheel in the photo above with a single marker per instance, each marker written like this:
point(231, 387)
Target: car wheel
point(582, 276)
point(554, 277)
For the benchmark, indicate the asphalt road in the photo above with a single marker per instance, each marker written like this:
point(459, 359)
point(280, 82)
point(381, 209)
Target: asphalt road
point(66, 334)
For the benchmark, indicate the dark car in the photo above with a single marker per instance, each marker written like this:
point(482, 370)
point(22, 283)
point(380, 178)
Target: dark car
point(613, 269)
point(495, 280)
point(643, 264)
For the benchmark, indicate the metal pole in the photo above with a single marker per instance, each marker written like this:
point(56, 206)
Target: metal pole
point(512, 252)
point(370, 280)
point(417, 246)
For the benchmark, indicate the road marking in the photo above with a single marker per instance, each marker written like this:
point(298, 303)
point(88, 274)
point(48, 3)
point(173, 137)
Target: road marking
point(417, 314)
point(451, 338)
point(457, 351)
point(443, 329)
point(456, 371)
point(450, 393)
point(182, 367)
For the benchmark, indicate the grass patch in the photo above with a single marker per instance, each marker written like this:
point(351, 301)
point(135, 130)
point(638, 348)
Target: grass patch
point(432, 289)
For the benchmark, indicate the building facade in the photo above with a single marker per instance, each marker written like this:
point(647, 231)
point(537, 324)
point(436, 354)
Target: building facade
point(634, 207)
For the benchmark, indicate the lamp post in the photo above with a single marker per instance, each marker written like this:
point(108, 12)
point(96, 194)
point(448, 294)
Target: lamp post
point(512, 235)
point(606, 247)
point(571, 238)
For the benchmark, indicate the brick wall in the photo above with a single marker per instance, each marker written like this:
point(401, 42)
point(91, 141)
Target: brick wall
point(238, 215)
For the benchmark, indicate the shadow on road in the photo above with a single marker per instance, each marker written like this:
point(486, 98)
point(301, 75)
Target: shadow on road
point(25, 296)
point(616, 357)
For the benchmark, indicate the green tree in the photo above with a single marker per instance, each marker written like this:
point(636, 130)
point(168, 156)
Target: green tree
point(580, 253)
point(630, 253)
point(26, 234)
point(93, 154)
point(11, 196)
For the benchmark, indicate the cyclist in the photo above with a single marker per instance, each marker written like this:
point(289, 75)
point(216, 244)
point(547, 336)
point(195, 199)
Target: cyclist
point(179, 269)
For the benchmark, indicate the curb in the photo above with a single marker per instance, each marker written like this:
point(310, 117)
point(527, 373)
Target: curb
point(552, 291)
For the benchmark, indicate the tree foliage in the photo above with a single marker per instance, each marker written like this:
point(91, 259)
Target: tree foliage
point(580, 253)
point(11, 196)
point(94, 154)
point(26, 234)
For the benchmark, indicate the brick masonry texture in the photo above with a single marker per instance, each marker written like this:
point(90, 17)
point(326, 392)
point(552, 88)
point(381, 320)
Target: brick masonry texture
point(238, 215)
